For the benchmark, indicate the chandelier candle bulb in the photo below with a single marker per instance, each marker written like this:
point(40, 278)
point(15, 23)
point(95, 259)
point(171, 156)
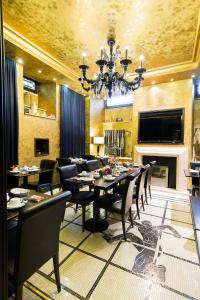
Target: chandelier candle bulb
point(126, 53)
point(111, 80)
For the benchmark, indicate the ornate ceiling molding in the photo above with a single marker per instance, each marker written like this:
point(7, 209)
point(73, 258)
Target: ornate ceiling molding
point(172, 69)
point(22, 42)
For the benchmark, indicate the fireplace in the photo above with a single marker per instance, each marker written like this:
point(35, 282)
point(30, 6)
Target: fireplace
point(178, 153)
point(164, 173)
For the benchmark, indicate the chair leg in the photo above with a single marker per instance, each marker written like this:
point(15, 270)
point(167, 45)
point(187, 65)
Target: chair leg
point(106, 214)
point(142, 201)
point(56, 271)
point(19, 293)
point(124, 227)
point(137, 206)
point(76, 209)
point(51, 189)
point(130, 216)
point(150, 191)
point(145, 191)
point(83, 217)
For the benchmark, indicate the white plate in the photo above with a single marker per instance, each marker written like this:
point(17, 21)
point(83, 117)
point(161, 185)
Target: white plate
point(33, 170)
point(81, 174)
point(194, 171)
point(18, 191)
point(16, 204)
point(15, 172)
point(87, 179)
point(109, 178)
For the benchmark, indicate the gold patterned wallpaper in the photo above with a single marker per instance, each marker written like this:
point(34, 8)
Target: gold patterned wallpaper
point(164, 31)
point(31, 127)
point(177, 94)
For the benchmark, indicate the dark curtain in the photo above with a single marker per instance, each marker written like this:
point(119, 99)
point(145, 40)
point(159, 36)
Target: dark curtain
point(12, 118)
point(72, 131)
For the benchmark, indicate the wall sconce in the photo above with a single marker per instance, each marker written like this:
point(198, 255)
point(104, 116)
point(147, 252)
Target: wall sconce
point(98, 140)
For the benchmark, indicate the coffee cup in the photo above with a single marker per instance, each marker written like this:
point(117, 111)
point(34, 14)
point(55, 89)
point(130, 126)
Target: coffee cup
point(84, 173)
point(109, 176)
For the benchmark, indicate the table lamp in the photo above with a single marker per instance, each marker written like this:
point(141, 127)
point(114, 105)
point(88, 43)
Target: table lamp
point(98, 140)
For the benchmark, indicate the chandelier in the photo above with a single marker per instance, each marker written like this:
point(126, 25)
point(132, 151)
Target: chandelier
point(110, 80)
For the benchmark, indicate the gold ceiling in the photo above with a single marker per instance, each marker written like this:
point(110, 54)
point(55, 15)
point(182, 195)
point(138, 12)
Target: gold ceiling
point(163, 30)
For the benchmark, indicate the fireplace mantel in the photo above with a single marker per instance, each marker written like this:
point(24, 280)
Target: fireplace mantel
point(180, 152)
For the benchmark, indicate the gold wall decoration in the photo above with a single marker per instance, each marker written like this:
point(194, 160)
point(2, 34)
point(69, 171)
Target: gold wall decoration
point(31, 127)
point(171, 95)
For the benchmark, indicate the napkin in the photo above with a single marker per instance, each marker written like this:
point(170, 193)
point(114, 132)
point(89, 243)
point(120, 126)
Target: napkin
point(36, 198)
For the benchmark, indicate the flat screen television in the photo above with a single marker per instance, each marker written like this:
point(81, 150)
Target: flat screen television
point(163, 126)
point(41, 147)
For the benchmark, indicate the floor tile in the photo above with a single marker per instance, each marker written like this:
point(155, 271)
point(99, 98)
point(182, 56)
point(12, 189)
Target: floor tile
point(158, 292)
point(156, 202)
point(126, 255)
point(49, 288)
point(80, 271)
point(181, 276)
point(154, 220)
point(185, 230)
point(178, 216)
point(72, 234)
point(63, 252)
point(180, 247)
point(98, 246)
point(70, 214)
point(117, 284)
point(153, 210)
point(179, 206)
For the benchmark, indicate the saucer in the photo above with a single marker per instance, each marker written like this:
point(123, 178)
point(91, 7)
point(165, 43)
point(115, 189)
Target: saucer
point(15, 204)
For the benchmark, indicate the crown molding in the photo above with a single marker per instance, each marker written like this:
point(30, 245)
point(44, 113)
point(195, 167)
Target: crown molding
point(172, 69)
point(20, 41)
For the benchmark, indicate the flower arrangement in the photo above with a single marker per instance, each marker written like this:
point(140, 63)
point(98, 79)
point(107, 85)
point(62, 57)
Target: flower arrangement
point(112, 161)
point(107, 170)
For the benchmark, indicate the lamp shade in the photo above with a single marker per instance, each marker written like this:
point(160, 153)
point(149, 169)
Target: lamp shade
point(98, 140)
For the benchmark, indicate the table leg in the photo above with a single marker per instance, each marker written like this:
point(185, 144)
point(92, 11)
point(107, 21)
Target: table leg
point(25, 181)
point(96, 224)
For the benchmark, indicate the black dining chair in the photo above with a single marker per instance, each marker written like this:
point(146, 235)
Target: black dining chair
point(92, 165)
point(195, 180)
point(147, 181)
point(45, 182)
point(63, 161)
point(88, 157)
point(140, 184)
point(34, 241)
point(104, 161)
point(82, 198)
point(119, 204)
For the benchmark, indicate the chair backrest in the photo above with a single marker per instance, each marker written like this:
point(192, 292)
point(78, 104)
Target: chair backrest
point(149, 172)
point(88, 156)
point(47, 177)
point(38, 235)
point(92, 165)
point(140, 181)
point(63, 161)
point(104, 161)
point(196, 166)
point(127, 198)
point(67, 172)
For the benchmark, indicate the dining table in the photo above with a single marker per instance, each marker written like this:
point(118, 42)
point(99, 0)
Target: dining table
point(98, 224)
point(13, 213)
point(193, 174)
point(25, 174)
